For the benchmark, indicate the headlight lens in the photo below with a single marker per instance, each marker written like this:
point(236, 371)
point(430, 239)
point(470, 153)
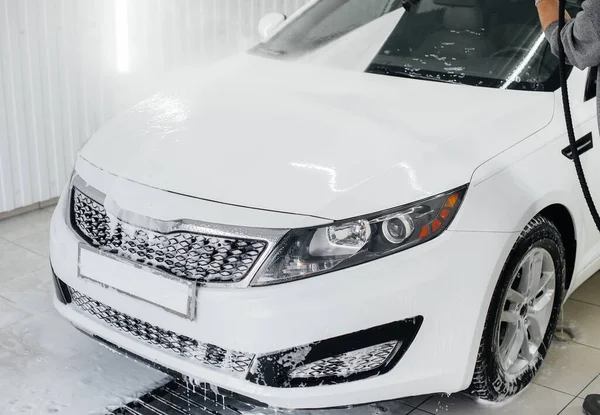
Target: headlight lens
point(308, 252)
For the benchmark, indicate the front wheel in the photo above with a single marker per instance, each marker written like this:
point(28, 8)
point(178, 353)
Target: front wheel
point(523, 313)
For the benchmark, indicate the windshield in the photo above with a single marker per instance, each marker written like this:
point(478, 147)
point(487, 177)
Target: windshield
point(488, 43)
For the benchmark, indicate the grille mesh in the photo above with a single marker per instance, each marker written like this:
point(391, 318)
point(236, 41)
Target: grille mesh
point(347, 364)
point(207, 354)
point(192, 256)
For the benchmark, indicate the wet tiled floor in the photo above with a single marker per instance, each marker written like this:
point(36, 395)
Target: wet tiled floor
point(46, 366)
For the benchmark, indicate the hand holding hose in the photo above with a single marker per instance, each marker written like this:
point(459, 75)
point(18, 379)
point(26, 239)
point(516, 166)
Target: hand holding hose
point(548, 11)
point(580, 36)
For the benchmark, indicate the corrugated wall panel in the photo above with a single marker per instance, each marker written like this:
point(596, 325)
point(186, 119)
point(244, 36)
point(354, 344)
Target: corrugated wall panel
point(6, 180)
point(18, 139)
point(60, 78)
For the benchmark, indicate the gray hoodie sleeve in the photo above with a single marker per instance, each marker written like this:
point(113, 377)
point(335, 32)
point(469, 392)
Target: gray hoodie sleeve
point(580, 36)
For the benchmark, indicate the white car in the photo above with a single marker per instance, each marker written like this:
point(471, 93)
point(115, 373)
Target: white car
point(369, 204)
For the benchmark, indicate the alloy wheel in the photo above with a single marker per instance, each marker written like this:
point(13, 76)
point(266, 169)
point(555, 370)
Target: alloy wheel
point(527, 311)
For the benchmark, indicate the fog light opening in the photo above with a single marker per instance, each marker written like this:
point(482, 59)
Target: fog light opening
point(349, 363)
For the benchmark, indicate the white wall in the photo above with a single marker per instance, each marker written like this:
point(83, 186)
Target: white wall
point(67, 66)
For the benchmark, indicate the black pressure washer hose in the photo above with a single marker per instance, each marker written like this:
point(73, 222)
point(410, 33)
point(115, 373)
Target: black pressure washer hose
point(591, 404)
point(562, 65)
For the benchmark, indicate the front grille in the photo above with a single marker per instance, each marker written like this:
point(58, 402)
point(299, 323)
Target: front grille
point(207, 354)
point(347, 364)
point(193, 256)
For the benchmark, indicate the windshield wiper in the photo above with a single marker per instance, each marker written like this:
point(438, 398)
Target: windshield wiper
point(273, 52)
point(403, 73)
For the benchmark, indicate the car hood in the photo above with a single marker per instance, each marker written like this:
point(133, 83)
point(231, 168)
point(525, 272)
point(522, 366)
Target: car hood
point(309, 140)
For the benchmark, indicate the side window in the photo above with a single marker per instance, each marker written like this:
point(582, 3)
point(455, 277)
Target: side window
point(590, 85)
point(549, 62)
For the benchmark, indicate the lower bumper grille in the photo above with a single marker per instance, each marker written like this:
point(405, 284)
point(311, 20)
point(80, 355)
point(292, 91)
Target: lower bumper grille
point(207, 354)
point(354, 356)
point(351, 363)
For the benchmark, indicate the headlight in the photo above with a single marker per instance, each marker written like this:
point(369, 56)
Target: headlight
point(305, 253)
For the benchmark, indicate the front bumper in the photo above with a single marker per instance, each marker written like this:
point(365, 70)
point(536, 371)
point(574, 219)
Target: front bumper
point(446, 282)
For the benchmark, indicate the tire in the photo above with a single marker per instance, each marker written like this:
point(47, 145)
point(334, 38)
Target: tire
point(496, 377)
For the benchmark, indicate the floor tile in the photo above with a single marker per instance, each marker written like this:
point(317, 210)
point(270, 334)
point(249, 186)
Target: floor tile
point(32, 292)
point(38, 242)
point(574, 408)
point(415, 401)
point(10, 314)
point(393, 407)
point(83, 384)
point(24, 225)
point(581, 319)
point(50, 208)
point(589, 291)
point(569, 367)
point(43, 337)
point(16, 261)
point(594, 387)
point(534, 400)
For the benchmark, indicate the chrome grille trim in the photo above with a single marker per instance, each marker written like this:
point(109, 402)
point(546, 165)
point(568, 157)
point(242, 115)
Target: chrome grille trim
point(188, 255)
point(264, 240)
point(204, 353)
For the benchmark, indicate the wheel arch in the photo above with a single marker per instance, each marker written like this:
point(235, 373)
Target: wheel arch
point(562, 218)
point(553, 216)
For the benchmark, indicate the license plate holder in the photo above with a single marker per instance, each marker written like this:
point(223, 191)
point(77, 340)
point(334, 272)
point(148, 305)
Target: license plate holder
point(168, 292)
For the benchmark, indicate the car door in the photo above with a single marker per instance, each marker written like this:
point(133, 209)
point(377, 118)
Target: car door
point(582, 88)
point(584, 113)
point(582, 93)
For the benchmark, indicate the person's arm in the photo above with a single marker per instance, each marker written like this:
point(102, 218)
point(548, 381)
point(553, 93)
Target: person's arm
point(580, 36)
point(548, 11)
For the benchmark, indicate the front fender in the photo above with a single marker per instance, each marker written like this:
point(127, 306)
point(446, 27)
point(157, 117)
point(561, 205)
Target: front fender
point(508, 191)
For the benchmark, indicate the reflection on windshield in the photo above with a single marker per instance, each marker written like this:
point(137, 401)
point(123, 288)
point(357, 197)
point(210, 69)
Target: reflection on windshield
point(486, 43)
